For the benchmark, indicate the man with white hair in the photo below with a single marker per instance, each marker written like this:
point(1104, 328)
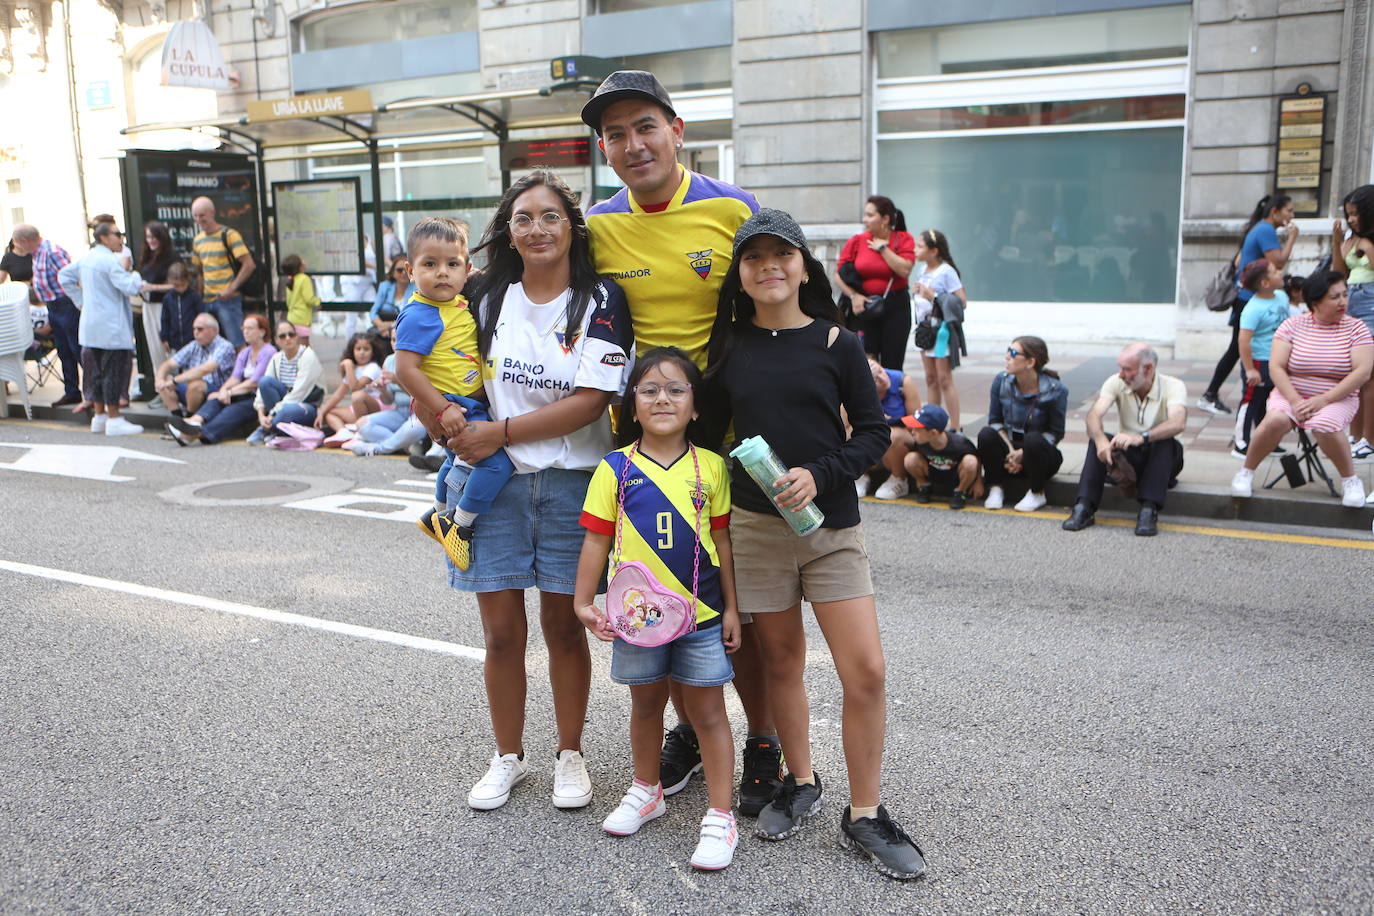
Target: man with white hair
point(197, 369)
point(225, 264)
point(47, 258)
point(1152, 411)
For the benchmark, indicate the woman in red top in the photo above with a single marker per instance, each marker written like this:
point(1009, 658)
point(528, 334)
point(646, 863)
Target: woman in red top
point(883, 254)
point(1318, 363)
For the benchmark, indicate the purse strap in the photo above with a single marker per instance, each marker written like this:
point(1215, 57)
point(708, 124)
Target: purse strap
point(696, 529)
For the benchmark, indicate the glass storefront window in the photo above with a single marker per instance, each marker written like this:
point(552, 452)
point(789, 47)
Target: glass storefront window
point(678, 71)
point(1015, 44)
point(1087, 216)
point(622, 6)
point(361, 25)
point(1033, 114)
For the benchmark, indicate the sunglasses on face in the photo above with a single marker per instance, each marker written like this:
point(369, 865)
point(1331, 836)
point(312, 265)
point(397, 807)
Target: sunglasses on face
point(1013, 352)
point(281, 334)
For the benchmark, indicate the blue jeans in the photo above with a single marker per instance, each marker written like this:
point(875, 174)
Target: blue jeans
point(223, 421)
point(391, 430)
point(488, 475)
point(697, 659)
point(1361, 304)
point(66, 320)
point(229, 311)
point(273, 391)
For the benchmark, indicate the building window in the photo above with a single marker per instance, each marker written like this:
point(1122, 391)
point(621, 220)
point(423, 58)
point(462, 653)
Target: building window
point(679, 71)
point(1056, 177)
point(14, 186)
point(16, 215)
point(386, 22)
point(624, 6)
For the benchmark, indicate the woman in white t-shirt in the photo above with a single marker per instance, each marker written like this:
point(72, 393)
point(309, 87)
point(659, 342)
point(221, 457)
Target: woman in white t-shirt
point(557, 344)
point(938, 276)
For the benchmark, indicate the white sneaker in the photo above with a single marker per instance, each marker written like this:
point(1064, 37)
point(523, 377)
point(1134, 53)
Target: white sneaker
point(719, 837)
point(893, 488)
point(639, 806)
point(1362, 452)
point(1030, 502)
point(994, 500)
point(572, 787)
point(861, 486)
point(1242, 484)
point(493, 790)
point(1353, 494)
point(98, 423)
point(118, 426)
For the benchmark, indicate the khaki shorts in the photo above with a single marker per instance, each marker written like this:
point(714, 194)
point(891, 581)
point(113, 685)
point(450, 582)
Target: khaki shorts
point(776, 569)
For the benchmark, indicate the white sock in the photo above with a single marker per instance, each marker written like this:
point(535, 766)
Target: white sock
point(464, 519)
point(1245, 474)
point(1350, 478)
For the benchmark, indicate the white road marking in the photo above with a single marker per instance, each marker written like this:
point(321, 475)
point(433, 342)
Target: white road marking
point(89, 462)
point(427, 484)
point(406, 510)
point(247, 610)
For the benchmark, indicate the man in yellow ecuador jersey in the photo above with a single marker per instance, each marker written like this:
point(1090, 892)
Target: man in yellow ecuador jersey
point(666, 239)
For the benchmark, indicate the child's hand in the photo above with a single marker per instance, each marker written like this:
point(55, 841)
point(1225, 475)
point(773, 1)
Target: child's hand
point(798, 488)
point(452, 420)
point(730, 630)
point(319, 420)
point(594, 620)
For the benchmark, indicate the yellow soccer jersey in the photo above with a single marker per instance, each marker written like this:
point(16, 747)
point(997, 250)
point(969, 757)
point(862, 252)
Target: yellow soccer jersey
point(446, 335)
point(660, 509)
point(671, 262)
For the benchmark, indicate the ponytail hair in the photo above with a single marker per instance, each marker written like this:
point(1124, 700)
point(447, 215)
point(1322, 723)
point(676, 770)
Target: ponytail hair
point(936, 239)
point(1268, 204)
point(1039, 353)
point(885, 207)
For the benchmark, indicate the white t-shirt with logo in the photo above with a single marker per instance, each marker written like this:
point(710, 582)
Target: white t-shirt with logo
point(530, 365)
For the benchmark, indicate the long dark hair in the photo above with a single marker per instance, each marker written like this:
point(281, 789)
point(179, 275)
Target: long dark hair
point(629, 428)
point(505, 266)
point(1039, 353)
point(937, 240)
point(735, 308)
point(1362, 199)
point(380, 348)
point(1268, 204)
point(165, 252)
point(290, 266)
point(885, 207)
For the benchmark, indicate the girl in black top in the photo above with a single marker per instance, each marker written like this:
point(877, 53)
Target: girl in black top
point(158, 254)
point(782, 368)
point(15, 266)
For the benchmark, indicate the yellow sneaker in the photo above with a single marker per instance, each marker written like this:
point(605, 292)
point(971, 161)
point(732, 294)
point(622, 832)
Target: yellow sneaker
point(427, 524)
point(457, 541)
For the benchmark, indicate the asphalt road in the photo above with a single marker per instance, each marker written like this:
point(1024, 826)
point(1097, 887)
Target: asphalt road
point(1078, 723)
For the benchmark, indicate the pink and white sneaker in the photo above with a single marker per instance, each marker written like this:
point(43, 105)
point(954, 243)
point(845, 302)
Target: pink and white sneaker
point(719, 837)
point(639, 806)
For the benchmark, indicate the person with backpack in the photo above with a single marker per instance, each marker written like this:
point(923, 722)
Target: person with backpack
point(225, 264)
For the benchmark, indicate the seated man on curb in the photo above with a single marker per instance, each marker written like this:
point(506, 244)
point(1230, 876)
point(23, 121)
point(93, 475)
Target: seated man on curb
point(944, 459)
point(197, 369)
point(1152, 412)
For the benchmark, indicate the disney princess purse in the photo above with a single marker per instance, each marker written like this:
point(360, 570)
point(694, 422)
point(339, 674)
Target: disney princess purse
point(642, 610)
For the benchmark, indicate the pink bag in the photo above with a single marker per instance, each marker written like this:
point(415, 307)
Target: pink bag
point(642, 610)
point(296, 437)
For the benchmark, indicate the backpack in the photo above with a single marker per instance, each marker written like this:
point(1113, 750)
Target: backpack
point(253, 287)
point(1221, 292)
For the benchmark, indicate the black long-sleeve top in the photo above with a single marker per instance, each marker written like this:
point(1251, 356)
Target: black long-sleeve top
point(788, 387)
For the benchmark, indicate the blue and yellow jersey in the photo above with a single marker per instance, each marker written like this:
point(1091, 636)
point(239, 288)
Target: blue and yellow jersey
point(660, 509)
point(671, 262)
point(445, 334)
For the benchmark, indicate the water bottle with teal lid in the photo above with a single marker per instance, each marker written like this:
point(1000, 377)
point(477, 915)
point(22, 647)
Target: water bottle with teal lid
point(763, 464)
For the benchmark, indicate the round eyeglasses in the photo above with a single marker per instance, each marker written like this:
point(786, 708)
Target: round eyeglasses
point(676, 391)
point(523, 225)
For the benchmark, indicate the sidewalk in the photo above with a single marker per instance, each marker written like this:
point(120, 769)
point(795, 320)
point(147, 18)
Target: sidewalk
point(1203, 488)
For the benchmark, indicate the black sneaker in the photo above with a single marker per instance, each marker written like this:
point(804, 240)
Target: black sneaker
point(923, 494)
point(881, 839)
point(681, 757)
point(792, 806)
point(958, 499)
point(762, 773)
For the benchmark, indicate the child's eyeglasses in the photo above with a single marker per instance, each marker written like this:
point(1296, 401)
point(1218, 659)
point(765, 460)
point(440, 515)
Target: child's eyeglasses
point(522, 225)
point(676, 391)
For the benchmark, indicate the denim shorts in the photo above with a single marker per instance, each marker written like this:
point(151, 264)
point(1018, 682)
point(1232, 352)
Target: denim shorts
point(531, 538)
point(696, 660)
point(1361, 304)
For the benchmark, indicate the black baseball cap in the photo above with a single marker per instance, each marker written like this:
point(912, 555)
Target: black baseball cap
point(768, 221)
point(621, 85)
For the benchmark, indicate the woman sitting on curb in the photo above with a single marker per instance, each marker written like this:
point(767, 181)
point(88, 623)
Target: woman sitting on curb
point(1026, 413)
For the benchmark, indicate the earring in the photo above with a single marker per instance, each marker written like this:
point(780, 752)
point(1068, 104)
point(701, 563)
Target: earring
point(806, 278)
